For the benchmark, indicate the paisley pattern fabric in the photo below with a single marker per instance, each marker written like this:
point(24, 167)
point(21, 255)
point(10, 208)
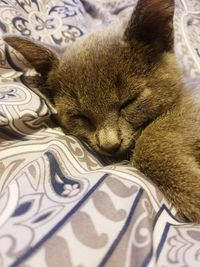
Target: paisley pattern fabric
point(60, 205)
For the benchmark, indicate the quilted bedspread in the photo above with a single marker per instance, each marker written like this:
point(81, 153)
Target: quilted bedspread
point(61, 205)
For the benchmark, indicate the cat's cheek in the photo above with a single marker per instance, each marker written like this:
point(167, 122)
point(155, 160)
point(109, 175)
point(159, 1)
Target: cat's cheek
point(91, 140)
point(68, 126)
point(127, 135)
point(64, 122)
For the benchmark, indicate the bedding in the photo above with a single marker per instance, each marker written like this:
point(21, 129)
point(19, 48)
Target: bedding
point(60, 204)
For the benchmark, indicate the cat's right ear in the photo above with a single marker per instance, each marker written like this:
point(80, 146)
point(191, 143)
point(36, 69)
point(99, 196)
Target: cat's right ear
point(151, 24)
point(41, 58)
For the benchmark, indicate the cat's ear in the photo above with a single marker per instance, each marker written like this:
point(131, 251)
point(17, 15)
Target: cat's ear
point(152, 24)
point(41, 58)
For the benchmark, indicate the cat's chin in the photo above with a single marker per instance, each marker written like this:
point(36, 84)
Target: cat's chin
point(124, 153)
point(117, 157)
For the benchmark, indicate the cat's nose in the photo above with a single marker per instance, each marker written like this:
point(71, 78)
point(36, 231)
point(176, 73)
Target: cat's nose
point(109, 140)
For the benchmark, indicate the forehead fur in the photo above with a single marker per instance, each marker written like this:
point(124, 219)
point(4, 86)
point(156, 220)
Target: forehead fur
point(102, 68)
point(96, 65)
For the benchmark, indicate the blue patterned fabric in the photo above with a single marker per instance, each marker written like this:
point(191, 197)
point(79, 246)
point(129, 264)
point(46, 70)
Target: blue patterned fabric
point(60, 205)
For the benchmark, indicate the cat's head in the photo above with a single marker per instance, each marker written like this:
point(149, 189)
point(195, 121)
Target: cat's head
point(108, 86)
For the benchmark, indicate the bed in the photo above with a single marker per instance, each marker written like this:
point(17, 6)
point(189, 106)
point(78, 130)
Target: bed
point(60, 203)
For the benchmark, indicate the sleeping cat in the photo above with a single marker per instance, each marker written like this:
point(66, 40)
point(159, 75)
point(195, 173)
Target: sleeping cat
point(120, 90)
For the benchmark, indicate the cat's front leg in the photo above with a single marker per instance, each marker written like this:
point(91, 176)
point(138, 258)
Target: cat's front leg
point(164, 155)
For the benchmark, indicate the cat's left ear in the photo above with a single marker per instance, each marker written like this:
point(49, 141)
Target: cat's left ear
point(152, 24)
point(42, 58)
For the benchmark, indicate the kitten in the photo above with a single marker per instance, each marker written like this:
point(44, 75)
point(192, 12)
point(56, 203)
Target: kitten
point(120, 90)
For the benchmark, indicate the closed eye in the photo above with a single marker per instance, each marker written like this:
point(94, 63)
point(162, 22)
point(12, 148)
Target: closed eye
point(127, 102)
point(84, 119)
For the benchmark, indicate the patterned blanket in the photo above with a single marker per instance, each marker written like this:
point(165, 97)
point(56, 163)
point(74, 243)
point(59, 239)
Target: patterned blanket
point(61, 205)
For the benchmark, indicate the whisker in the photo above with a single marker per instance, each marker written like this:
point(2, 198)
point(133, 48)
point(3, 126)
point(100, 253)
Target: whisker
point(63, 91)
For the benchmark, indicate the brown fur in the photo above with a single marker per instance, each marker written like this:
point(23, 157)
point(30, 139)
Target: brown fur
point(121, 91)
